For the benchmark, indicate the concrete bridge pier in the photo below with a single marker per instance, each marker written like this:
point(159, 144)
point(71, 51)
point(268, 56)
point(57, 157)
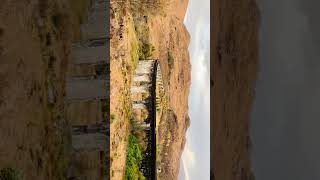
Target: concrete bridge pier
point(145, 126)
point(139, 106)
point(90, 55)
point(142, 78)
point(144, 69)
point(100, 5)
point(81, 90)
point(90, 137)
point(90, 142)
point(98, 22)
point(96, 27)
point(139, 89)
point(89, 77)
point(90, 128)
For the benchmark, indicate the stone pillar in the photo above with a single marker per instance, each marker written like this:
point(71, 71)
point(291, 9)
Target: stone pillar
point(145, 69)
point(89, 77)
point(145, 126)
point(90, 55)
point(98, 21)
point(100, 5)
point(145, 66)
point(139, 89)
point(79, 90)
point(90, 128)
point(139, 106)
point(97, 26)
point(141, 78)
point(146, 62)
point(105, 41)
point(90, 142)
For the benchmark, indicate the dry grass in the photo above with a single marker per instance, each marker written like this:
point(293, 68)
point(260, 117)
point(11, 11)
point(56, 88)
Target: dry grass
point(235, 54)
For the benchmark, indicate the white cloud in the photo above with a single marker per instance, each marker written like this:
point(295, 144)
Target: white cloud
point(196, 155)
point(185, 170)
point(188, 161)
point(189, 157)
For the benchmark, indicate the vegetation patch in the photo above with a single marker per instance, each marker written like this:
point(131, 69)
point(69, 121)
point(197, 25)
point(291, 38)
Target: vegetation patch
point(10, 174)
point(146, 50)
point(134, 53)
point(170, 61)
point(112, 118)
point(151, 7)
point(140, 20)
point(57, 20)
point(134, 159)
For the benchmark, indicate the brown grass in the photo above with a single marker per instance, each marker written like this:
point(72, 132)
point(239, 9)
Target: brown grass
point(235, 56)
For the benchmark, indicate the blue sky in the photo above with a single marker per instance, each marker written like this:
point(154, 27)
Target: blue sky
point(195, 162)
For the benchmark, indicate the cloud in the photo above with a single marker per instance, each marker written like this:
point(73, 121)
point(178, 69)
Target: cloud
point(189, 157)
point(196, 155)
point(200, 73)
point(188, 161)
point(185, 168)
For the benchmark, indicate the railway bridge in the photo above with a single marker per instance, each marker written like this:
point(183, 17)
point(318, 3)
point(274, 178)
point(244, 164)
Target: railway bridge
point(146, 79)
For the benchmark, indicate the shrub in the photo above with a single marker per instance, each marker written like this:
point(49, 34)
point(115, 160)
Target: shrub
point(10, 174)
point(170, 60)
point(57, 20)
point(112, 118)
point(146, 50)
point(144, 114)
point(134, 159)
point(134, 54)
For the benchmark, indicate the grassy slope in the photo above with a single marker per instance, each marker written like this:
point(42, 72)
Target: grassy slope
point(35, 142)
point(234, 75)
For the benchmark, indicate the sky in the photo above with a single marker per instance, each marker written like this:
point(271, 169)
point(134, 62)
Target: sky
point(195, 161)
point(285, 121)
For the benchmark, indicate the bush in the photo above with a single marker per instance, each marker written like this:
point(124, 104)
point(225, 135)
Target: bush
point(144, 114)
point(57, 20)
point(135, 54)
point(10, 174)
point(134, 159)
point(170, 60)
point(112, 118)
point(146, 50)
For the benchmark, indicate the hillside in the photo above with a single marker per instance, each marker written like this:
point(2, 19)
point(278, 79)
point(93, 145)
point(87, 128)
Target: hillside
point(35, 45)
point(33, 62)
point(235, 64)
point(171, 41)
